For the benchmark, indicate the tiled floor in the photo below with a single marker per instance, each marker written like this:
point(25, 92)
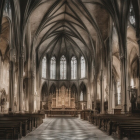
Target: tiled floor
point(66, 128)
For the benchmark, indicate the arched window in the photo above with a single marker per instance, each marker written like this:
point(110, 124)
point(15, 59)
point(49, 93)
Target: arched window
point(53, 68)
point(73, 68)
point(83, 67)
point(63, 67)
point(132, 17)
point(44, 66)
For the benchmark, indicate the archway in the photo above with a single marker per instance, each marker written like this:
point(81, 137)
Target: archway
point(44, 92)
point(83, 97)
point(134, 81)
point(74, 91)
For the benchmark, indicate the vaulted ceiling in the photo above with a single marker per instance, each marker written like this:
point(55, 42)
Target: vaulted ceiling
point(68, 27)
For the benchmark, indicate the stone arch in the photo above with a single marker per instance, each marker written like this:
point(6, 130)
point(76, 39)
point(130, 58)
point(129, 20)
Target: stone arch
point(83, 90)
point(134, 67)
point(74, 91)
point(52, 90)
point(44, 91)
point(63, 84)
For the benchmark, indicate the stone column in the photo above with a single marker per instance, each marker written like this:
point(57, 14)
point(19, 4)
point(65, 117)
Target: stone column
point(20, 81)
point(78, 68)
point(31, 89)
point(102, 92)
point(139, 73)
point(68, 65)
point(58, 68)
point(95, 91)
point(110, 85)
point(56, 97)
point(0, 68)
point(10, 86)
point(69, 96)
point(123, 84)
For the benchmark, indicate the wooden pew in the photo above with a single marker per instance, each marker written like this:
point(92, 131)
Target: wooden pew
point(10, 123)
point(122, 125)
point(25, 123)
point(11, 130)
point(86, 114)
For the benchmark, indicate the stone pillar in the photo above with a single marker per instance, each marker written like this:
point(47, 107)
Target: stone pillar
point(58, 68)
point(56, 97)
point(95, 91)
point(0, 68)
point(20, 81)
point(10, 86)
point(139, 73)
point(113, 97)
point(68, 65)
point(102, 92)
point(32, 91)
point(69, 97)
point(78, 68)
point(123, 85)
point(110, 86)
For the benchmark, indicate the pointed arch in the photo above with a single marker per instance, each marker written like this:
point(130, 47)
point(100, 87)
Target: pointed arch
point(83, 92)
point(44, 91)
point(52, 89)
point(73, 89)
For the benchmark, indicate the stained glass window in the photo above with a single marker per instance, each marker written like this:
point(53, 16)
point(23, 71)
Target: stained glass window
point(7, 8)
point(83, 67)
point(53, 68)
point(44, 66)
point(73, 68)
point(132, 16)
point(63, 67)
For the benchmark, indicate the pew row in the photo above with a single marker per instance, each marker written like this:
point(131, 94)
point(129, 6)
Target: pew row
point(119, 126)
point(17, 125)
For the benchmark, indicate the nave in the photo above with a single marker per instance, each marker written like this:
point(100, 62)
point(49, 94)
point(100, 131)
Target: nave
point(69, 57)
point(66, 128)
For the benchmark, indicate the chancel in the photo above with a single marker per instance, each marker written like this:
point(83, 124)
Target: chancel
point(65, 61)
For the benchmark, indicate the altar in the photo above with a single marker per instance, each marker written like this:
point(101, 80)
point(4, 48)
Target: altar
point(62, 99)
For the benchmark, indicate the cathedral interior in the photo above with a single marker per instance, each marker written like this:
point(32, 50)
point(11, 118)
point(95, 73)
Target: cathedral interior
point(70, 58)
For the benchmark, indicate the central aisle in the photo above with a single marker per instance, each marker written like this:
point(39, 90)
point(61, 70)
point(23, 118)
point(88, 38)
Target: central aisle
point(66, 128)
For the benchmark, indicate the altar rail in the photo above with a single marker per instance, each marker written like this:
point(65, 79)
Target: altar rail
point(51, 113)
point(119, 126)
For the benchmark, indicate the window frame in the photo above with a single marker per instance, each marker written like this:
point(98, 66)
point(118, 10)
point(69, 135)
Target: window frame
point(84, 76)
point(53, 66)
point(73, 68)
point(44, 66)
point(64, 70)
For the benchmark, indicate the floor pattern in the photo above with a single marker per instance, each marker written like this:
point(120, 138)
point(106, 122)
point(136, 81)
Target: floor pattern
point(66, 128)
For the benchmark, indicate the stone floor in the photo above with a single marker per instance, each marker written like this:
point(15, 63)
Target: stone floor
point(66, 128)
